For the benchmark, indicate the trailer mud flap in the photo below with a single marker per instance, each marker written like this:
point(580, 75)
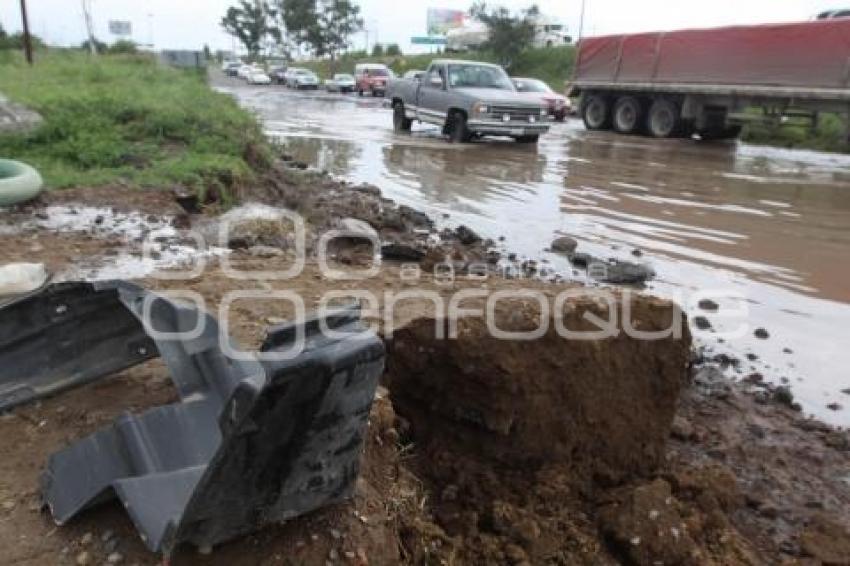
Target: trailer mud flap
point(252, 441)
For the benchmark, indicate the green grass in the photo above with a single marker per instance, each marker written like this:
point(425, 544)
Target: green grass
point(127, 118)
point(553, 65)
point(829, 135)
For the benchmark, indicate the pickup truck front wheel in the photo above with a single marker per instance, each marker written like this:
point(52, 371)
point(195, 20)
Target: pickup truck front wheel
point(401, 123)
point(457, 128)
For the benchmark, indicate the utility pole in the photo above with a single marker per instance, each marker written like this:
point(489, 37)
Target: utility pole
point(581, 21)
point(87, 17)
point(27, 37)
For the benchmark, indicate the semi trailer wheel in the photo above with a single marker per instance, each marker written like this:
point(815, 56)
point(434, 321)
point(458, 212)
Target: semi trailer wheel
point(596, 112)
point(628, 113)
point(664, 119)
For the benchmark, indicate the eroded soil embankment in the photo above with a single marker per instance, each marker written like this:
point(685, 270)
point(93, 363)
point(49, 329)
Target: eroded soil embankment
point(556, 451)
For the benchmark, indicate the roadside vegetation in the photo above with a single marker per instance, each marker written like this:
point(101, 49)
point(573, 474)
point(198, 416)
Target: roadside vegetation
point(125, 118)
point(554, 65)
point(830, 134)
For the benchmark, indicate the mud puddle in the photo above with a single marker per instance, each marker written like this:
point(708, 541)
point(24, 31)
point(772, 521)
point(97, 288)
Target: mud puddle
point(764, 232)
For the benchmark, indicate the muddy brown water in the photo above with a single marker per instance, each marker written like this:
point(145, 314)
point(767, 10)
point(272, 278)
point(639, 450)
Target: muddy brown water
point(764, 231)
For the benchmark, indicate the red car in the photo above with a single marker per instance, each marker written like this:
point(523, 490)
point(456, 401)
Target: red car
point(371, 78)
point(559, 105)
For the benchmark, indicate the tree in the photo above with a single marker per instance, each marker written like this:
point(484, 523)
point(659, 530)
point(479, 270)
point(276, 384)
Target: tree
point(325, 26)
point(393, 50)
point(377, 50)
point(510, 34)
point(99, 46)
point(253, 24)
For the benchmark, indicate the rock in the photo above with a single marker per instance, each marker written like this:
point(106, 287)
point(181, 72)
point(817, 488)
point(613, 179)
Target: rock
point(265, 251)
point(682, 428)
point(835, 407)
point(16, 278)
point(709, 305)
point(621, 272)
point(846, 391)
point(645, 542)
point(515, 554)
point(564, 244)
point(466, 236)
point(783, 396)
point(415, 217)
point(86, 539)
point(702, 323)
point(83, 558)
point(761, 334)
point(357, 229)
point(115, 558)
point(401, 252)
point(826, 540)
point(107, 535)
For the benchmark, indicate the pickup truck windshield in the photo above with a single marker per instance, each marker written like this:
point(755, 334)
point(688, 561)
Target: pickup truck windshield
point(377, 72)
point(531, 86)
point(478, 76)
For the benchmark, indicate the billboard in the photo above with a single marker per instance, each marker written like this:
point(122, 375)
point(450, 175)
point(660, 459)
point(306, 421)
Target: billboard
point(120, 27)
point(441, 20)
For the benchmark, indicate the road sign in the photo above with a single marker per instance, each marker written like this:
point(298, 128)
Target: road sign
point(428, 40)
point(120, 27)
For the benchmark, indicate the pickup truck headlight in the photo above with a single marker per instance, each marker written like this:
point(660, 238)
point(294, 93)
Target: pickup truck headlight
point(480, 108)
point(544, 111)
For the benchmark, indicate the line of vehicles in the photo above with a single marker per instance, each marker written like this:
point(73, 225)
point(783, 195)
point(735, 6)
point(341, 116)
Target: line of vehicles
point(467, 99)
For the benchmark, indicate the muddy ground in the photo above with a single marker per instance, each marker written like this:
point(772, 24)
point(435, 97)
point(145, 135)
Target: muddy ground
point(479, 452)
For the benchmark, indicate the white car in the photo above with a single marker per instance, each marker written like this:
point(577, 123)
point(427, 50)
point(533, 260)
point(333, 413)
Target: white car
point(302, 78)
point(244, 71)
point(259, 77)
point(340, 83)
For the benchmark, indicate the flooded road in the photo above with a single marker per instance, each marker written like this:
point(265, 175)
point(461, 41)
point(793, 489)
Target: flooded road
point(764, 232)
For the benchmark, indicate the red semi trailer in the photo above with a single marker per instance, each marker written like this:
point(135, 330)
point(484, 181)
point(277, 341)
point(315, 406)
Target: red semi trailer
point(669, 84)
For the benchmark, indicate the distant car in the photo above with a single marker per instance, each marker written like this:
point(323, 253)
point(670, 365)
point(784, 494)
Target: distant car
point(230, 68)
point(372, 78)
point(243, 71)
point(414, 74)
point(302, 79)
point(258, 77)
point(278, 75)
point(340, 83)
point(833, 14)
point(559, 106)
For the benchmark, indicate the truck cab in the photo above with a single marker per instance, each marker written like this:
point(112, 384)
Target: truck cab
point(468, 99)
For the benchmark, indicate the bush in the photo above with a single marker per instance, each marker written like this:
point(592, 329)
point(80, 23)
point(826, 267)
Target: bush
point(377, 50)
point(123, 46)
point(393, 50)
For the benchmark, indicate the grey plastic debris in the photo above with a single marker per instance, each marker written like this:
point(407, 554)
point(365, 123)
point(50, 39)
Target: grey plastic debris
point(251, 443)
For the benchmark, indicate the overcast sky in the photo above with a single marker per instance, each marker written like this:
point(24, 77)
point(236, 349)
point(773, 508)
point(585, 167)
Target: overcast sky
point(192, 23)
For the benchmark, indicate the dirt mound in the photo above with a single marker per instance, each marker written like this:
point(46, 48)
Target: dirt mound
point(601, 408)
point(514, 438)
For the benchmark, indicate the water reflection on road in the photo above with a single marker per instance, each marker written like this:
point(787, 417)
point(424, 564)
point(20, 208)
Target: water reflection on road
point(770, 225)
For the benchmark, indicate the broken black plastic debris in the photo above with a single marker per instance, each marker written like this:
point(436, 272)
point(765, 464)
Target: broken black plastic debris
point(251, 442)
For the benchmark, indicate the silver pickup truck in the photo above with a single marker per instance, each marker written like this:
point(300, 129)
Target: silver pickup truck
point(467, 99)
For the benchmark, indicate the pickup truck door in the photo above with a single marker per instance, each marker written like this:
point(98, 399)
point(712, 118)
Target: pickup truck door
point(432, 101)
